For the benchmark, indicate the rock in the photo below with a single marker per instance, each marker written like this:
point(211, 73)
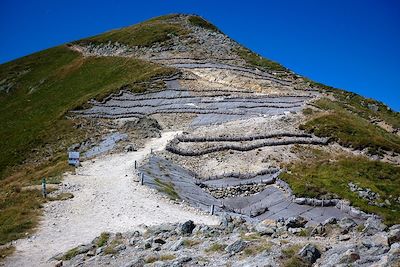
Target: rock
point(264, 229)
point(176, 245)
point(295, 222)
point(347, 223)
point(58, 264)
point(180, 261)
point(91, 253)
point(159, 241)
point(99, 250)
point(120, 247)
point(258, 211)
point(373, 226)
point(187, 227)
point(130, 148)
point(318, 230)
point(393, 236)
point(236, 247)
point(136, 263)
point(331, 220)
point(295, 230)
point(344, 237)
point(309, 253)
point(147, 245)
point(349, 256)
point(393, 256)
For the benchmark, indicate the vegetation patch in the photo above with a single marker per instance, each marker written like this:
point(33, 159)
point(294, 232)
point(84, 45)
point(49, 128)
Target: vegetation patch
point(350, 130)
point(164, 257)
point(70, 254)
point(323, 175)
point(215, 247)
point(103, 239)
point(6, 251)
point(200, 22)
point(366, 108)
point(110, 249)
point(190, 243)
point(291, 259)
point(167, 188)
point(258, 61)
point(62, 196)
point(257, 248)
point(44, 87)
point(145, 34)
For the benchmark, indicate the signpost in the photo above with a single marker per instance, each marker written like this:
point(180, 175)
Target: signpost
point(73, 158)
point(44, 191)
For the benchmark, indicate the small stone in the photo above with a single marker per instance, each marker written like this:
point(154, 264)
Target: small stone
point(147, 245)
point(264, 229)
point(350, 256)
point(344, 237)
point(310, 253)
point(159, 241)
point(58, 264)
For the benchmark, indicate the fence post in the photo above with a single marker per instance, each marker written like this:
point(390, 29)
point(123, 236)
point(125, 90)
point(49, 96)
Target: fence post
point(135, 164)
point(44, 187)
point(212, 210)
point(141, 178)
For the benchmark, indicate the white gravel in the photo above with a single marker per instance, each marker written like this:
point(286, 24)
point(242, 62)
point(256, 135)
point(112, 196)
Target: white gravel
point(107, 197)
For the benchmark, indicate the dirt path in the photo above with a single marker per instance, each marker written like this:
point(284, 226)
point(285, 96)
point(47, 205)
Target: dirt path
point(106, 198)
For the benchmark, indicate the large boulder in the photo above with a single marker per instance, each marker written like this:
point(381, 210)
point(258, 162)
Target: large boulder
point(295, 222)
point(236, 247)
point(187, 227)
point(309, 253)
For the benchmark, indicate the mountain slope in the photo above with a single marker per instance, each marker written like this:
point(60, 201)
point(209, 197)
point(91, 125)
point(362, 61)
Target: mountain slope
point(213, 87)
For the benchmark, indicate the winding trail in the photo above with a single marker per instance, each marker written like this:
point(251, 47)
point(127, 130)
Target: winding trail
point(106, 198)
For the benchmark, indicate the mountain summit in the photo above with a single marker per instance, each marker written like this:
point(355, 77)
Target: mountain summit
point(176, 105)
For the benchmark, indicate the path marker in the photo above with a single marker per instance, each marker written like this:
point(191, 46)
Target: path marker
point(212, 210)
point(73, 158)
point(141, 178)
point(44, 191)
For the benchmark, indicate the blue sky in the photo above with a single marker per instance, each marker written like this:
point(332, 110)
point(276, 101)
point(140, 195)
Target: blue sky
point(353, 45)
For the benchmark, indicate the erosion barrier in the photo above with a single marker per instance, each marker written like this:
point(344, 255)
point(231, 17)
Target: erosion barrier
point(241, 148)
point(185, 138)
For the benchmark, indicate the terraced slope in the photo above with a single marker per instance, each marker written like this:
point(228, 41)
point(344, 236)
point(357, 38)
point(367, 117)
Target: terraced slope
point(241, 114)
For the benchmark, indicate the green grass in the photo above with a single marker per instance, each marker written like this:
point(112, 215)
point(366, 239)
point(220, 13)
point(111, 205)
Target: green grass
point(33, 121)
point(200, 22)
point(257, 248)
point(215, 247)
point(319, 174)
point(145, 34)
point(167, 188)
point(350, 130)
point(359, 105)
point(290, 257)
point(163, 257)
point(103, 239)
point(258, 61)
point(190, 243)
point(70, 254)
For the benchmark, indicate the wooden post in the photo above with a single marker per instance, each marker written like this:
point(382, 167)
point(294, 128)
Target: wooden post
point(44, 187)
point(212, 210)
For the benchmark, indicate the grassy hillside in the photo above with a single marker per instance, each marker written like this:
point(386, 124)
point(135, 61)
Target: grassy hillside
point(42, 88)
point(350, 129)
point(156, 30)
point(319, 174)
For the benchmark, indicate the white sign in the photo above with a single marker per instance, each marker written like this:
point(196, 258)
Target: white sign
point(73, 158)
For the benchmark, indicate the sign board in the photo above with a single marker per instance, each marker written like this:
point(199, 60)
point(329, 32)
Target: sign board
point(73, 158)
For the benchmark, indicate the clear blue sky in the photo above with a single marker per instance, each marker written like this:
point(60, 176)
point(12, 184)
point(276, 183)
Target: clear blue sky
point(354, 45)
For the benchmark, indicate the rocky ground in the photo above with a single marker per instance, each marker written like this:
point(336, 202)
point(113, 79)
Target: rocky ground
point(238, 243)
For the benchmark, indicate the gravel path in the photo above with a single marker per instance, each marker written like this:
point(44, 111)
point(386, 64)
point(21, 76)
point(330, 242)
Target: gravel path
point(106, 198)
